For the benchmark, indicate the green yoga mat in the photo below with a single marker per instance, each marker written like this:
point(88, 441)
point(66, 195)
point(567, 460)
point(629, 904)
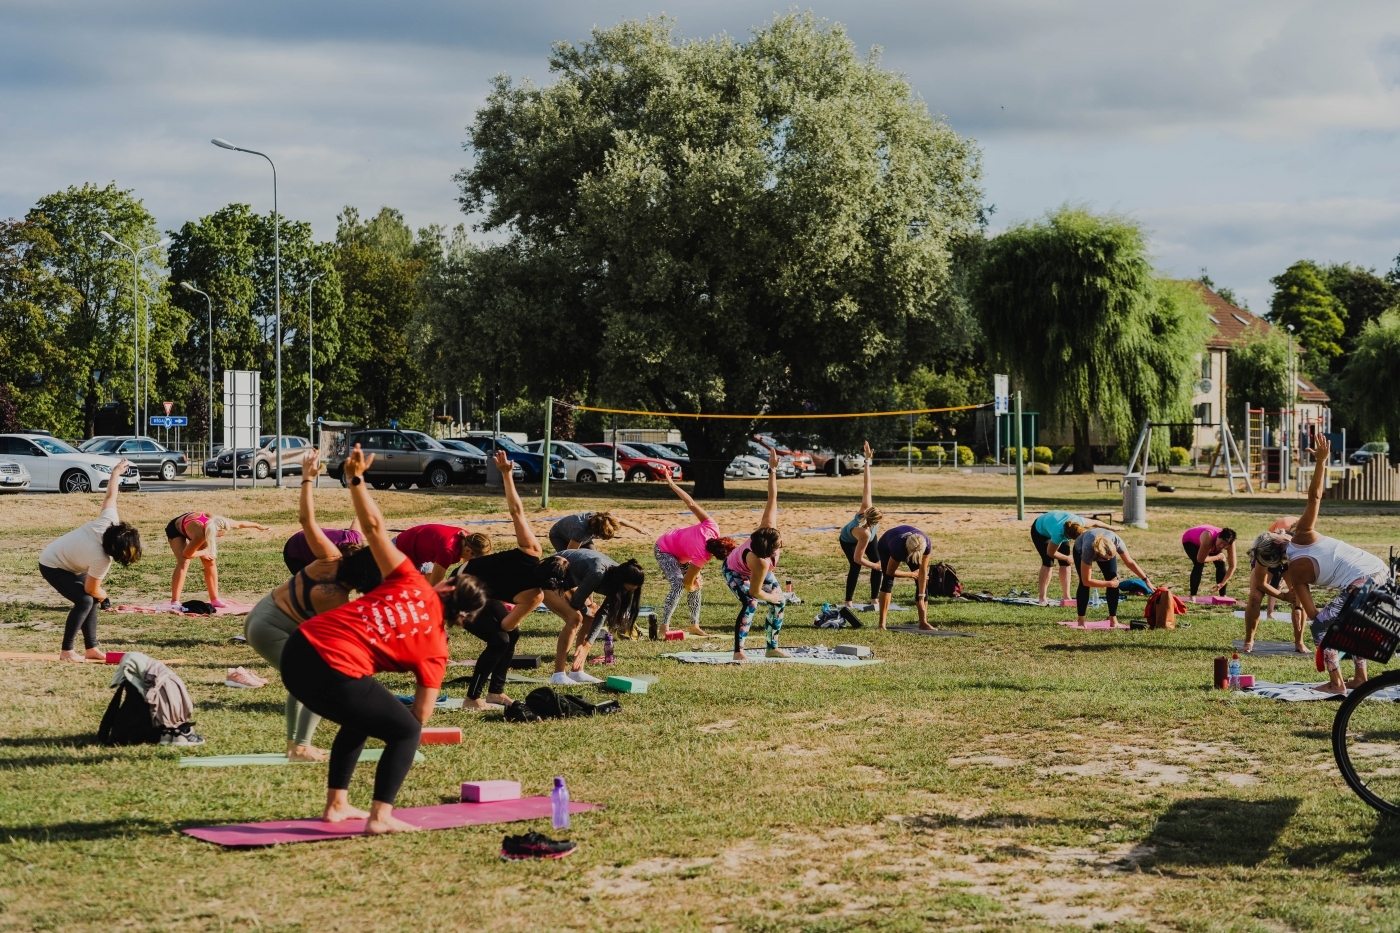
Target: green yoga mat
point(270, 758)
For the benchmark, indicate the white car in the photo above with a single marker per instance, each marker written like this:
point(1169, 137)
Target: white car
point(55, 466)
point(582, 465)
point(744, 467)
point(13, 476)
point(787, 466)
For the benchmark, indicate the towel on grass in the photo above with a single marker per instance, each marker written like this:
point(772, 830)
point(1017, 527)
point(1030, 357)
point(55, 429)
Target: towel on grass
point(1296, 692)
point(813, 654)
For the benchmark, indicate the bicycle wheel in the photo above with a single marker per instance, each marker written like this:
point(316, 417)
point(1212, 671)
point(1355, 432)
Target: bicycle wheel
point(1366, 743)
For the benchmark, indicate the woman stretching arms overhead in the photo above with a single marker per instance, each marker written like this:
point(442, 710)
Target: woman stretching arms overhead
point(749, 573)
point(681, 553)
point(196, 534)
point(858, 540)
point(400, 626)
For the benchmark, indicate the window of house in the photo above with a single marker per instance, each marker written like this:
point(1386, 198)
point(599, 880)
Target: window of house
point(1206, 366)
point(1203, 413)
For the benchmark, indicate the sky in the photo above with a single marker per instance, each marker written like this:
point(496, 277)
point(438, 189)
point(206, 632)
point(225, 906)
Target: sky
point(1243, 136)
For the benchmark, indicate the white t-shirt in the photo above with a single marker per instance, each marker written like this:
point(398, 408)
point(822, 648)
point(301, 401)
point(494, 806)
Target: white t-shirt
point(80, 551)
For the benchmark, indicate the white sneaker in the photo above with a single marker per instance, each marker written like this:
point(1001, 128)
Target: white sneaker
point(560, 678)
point(238, 677)
point(583, 677)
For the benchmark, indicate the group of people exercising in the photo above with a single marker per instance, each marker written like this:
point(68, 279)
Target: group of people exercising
point(361, 601)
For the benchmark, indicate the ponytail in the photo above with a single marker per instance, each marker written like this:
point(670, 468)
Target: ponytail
point(620, 606)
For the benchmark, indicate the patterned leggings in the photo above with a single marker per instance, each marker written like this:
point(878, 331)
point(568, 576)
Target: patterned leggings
point(674, 571)
point(1331, 659)
point(739, 585)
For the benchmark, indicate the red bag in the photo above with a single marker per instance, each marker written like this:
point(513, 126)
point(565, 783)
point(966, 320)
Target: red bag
point(1162, 608)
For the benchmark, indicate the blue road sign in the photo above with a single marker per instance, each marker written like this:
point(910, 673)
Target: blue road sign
point(170, 421)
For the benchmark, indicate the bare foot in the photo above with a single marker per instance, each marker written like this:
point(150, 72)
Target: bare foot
point(306, 753)
point(777, 653)
point(339, 813)
point(1356, 681)
point(924, 626)
point(94, 654)
point(499, 698)
point(480, 704)
point(884, 628)
point(697, 631)
point(70, 656)
point(740, 656)
point(1248, 647)
point(1299, 647)
point(389, 824)
point(1331, 688)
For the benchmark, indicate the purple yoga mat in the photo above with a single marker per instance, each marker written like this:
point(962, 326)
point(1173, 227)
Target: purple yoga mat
point(445, 816)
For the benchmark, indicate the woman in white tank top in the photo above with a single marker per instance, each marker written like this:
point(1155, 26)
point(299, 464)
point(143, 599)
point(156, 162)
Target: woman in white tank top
point(1316, 560)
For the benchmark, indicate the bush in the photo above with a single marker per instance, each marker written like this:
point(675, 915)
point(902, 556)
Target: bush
point(1063, 455)
point(1044, 455)
point(1180, 456)
point(965, 456)
point(1038, 468)
point(907, 453)
point(1120, 455)
point(989, 460)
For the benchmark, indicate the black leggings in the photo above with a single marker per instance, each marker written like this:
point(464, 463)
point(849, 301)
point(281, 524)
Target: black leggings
point(500, 649)
point(1109, 569)
point(364, 709)
point(84, 612)
point(1198, 569)
point(853, 571)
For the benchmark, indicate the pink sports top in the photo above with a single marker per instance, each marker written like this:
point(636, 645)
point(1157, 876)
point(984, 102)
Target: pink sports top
point(738, 560)
point(1193, 535)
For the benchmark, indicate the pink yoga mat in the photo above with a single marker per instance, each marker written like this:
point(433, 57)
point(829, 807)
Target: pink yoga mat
point(1213, 600)
point(1092, 624)
point(232, 609)
point(444, 816)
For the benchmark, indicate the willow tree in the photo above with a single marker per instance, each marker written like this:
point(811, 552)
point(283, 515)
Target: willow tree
point(719, 226)
point(1071, 308)
point(1371, 380)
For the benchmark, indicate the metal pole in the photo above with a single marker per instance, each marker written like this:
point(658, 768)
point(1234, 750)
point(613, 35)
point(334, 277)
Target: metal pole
point(277, 303)
point(548, 450)
point(909, 456)
point(1020, 464)
point(311, 365)
point(136, 348)
point(614, 450)
point(232, 415)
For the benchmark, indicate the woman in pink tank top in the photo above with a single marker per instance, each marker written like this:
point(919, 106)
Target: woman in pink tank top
point(748, 571)
point(196, 534)
point(1207, 544)
point(681, 552)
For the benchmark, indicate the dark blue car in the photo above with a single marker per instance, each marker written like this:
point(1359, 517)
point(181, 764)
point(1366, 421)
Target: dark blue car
point(529, 462)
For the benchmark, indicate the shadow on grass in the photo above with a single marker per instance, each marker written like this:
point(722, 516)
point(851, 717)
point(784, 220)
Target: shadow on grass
point(46, 761)
point(104, 829)
point(58, 741)
point(1380, 850)
point(1218, 831)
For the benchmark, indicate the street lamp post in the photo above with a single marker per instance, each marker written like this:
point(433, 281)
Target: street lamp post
point(136, 427)
point(311, 361)
point(209, 401)
point(277, 287)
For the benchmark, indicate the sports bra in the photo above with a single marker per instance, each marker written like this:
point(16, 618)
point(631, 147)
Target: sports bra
point(302, 603)
point(188, 517)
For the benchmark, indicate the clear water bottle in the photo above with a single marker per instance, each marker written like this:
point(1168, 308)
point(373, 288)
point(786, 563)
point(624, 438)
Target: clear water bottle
point(559, 802)
point(1234, 672)
point(607, 648)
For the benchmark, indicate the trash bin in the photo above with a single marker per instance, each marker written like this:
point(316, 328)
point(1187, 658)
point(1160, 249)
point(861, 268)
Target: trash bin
point(1135, 500)
point(493, 475)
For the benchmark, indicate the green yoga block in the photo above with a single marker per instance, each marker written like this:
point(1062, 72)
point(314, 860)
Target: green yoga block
point(626, 684)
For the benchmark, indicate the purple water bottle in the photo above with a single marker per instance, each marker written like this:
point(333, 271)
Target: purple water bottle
point(607, 648)
point(559, 801)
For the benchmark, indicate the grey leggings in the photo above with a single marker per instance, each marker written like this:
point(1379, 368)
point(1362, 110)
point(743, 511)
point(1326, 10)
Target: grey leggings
point(674, 571)
point(267, 629)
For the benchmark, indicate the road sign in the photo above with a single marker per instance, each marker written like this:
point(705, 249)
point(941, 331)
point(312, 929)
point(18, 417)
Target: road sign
point(168, 406)
point(1001, 394)
point(170, 421)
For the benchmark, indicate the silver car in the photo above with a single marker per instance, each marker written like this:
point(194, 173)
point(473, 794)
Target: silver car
point(13, 476)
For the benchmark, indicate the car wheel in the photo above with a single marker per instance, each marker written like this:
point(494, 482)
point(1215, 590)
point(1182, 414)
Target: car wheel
point(381, 484)
point(75, 481)
point(167, 470)
point(585, 476)
point(263, 469)
point(402, 486)
point(638, 476)
point(437, 478)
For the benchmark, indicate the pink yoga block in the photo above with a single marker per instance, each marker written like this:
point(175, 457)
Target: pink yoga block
point(446, 735)
point(675, 636)
point(115, 657)
point(489, 791)
point(1247, 681)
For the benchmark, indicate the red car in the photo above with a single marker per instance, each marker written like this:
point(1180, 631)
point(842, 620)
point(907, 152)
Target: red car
point(636, 466)
point(800, 458)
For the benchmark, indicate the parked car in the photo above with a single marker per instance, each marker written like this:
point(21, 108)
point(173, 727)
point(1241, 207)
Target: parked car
point(532, 463)
point(664, 453)
point(787, 467)
point(150, 457)
point(55, 466)
point(747, 467)
point(93, 442)
point(263, 461)
point(13, 476)
point(581, 465)
point(1363, 454)
point(825, 461)
point(476, 460)
point(636, 466)
point(801, 459)
point(402, 458)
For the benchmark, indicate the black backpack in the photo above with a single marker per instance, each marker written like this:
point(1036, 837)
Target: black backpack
point(548, 703)
point(128, 719)
point(198, 607)
point(943, 581)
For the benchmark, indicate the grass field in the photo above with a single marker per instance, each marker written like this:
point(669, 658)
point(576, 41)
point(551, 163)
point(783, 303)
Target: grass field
point(1030, 778)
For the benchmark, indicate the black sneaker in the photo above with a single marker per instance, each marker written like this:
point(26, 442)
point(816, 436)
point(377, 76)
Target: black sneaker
point(534, 845)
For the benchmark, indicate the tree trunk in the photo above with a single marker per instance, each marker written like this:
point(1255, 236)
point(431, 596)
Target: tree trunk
point(712, 445)
point(90, 409)
point(1392, 437)
point(1083, 453)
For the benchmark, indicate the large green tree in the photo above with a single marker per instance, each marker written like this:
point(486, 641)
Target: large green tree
point(710, 226)
point(229, 255)
point(1372, 380)
point(35, 316)
point(1302, 300)
point(98, 326)
point(1258, 376)
point(1070, 306)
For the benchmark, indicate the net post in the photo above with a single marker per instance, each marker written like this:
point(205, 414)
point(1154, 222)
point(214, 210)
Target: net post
point(1020, 465)
point(548, 450)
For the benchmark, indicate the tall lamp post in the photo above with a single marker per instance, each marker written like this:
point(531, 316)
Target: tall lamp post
point(277, 286)
point(136, 427)
point(209, 402)
point(311, 361)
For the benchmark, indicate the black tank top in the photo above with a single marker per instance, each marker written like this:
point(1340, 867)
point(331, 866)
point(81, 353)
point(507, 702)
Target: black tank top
point(504, 574)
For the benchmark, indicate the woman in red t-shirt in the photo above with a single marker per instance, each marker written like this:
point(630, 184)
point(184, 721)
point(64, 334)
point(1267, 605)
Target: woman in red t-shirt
point(443, 546)
point(400, 626)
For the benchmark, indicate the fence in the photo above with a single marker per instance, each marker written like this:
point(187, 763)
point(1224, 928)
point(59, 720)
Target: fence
point(1377, 481)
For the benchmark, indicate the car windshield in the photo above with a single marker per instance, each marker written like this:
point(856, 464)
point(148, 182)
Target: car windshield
point(1377, 447)
point(424, 439)
point(54, 446)
point(578, 450)
point(627, 450)
point(465, 448)
point(267, 440)
point(507, 444)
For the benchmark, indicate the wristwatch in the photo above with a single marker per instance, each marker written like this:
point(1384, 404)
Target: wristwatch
point(355, 480)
